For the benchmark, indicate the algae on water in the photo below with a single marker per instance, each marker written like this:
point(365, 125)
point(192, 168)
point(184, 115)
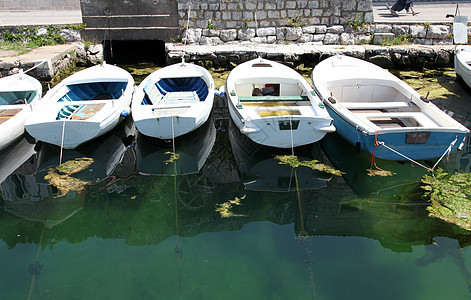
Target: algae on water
point(61, 178)
point(450, 196)
point(292, 161)
point(225, 209)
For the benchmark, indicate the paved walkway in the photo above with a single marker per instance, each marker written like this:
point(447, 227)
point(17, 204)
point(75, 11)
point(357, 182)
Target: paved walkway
point(432, 12)
point(40, 17)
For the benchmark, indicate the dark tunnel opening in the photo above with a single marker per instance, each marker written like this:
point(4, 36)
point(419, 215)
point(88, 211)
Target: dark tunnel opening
point(119, 52)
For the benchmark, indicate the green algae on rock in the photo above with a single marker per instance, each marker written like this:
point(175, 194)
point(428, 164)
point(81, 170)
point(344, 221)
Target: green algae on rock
point(449, 195)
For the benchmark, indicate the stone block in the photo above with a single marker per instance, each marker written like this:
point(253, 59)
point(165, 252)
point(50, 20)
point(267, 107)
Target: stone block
point(266, 31)
point(251, 6)
point(313, 4)
point(271, 39)
point(210, 41)
point(245, 34)
point(293, 33)
point(309, 29)
point(336, 29)
point(228, 35)
point(437, 32)
point(418, 31)
point(290, 4)
point(347, 39)
point(318, 37)
point(382, 28)
point(305, 38)
point(273, 14)
point(331, 39)
point(380, 37)
point(400, 29)
point(259, 40)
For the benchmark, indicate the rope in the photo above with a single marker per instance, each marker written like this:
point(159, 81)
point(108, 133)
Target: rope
point(447, 151)
point(373, 157)
point(178, 250)
point(291, 132)
point(33, 279)
point(62, 142)
point(30, 69)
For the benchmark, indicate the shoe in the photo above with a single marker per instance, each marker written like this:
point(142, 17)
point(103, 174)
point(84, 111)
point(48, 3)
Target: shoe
point(415, 13)
point(394, 14)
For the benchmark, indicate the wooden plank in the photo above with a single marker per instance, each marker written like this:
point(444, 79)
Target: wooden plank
point(7, 114)
point(87, 111)
point(272, 98)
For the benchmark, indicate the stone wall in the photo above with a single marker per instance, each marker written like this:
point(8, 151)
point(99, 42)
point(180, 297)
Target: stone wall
point(233, 14)
point(12, 5)
point(325, 35)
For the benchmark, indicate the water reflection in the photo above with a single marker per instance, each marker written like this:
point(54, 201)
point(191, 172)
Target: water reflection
point(193, 150)
point(344, 157)
point(260, 171)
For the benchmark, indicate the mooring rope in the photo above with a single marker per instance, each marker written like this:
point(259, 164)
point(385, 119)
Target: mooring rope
point(62, 142)
point(178, 250)
point(30, 69)
point(36, 273)
point(291, 131)
point(447, 151)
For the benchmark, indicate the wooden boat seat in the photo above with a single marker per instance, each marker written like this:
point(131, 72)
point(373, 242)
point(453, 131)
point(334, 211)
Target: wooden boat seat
point(179, 97)
point(273, 98)
point(6, 114)
point(377, 105)
point(419, 119)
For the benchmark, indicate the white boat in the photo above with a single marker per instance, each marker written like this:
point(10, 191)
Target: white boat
point(19, 93)
point(381, 114)
point(462, 63)
point(83, 106)
point(173, 101)
point(275, 106)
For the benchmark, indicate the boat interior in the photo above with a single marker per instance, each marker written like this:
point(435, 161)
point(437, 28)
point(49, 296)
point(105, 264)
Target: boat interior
point(16, 97)
point(381, 103)
point(271, 98)
point(175, 91)
point(94, 91)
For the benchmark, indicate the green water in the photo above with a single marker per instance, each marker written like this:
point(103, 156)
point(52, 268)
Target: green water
point(138, 232)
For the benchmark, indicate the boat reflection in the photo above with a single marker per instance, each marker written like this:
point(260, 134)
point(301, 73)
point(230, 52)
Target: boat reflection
point(261, 171)
point(152, 155)
point(22, 195)
point(106, 153)
point(397, 224)
point(15, 155)
point(344, 157)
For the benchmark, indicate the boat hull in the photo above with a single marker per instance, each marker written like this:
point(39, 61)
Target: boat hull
point(462, 68)
point(13, 115)
point(275, 106)
point(173, 101)
point(82, 107)
point(279, 132)
point(435, 146)
point(70, 134)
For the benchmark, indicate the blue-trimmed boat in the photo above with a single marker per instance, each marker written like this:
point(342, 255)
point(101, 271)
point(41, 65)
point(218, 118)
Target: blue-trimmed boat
point(381, 114)
point(173, 101)
point(82, 107)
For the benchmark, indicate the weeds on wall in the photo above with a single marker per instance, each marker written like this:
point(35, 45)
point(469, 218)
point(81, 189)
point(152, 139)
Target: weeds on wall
point(24, 39)
point(356, 22)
